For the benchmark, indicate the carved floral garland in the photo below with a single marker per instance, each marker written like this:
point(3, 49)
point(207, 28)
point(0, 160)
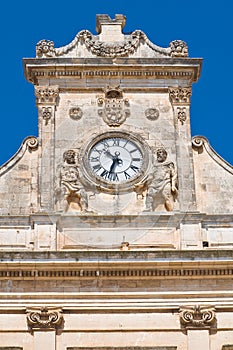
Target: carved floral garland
point(45, 48)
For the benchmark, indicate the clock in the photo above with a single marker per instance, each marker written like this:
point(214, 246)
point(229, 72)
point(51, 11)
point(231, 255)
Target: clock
point(115, 160)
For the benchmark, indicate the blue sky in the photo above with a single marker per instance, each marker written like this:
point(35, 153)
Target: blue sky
point(206, 26)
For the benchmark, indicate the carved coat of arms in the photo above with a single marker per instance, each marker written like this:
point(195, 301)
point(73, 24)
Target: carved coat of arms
point(113, 107)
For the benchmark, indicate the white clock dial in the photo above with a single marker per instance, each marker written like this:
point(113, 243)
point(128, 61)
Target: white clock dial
point(115, 159)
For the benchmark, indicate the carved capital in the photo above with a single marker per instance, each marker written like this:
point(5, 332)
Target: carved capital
point(180, 96)
point(43, 318)
point(197, 316)
point(46, 94)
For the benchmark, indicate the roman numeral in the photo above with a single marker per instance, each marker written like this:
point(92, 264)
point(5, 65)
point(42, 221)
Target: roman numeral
point(104, 142)
point(98, 150)
point(113, 177)
point(136, 159)
point(105, 174)
point(127, 176)
point(97, 167)
point(94, 159)
point(134, 168)
point(133, 150)
point(116, 142)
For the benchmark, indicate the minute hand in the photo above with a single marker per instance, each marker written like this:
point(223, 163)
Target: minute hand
point(113, 166)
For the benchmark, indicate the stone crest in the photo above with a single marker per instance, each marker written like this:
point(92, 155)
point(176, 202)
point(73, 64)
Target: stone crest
point(113, 107)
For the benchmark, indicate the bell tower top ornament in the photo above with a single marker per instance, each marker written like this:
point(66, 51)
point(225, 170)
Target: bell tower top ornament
point(111, 42)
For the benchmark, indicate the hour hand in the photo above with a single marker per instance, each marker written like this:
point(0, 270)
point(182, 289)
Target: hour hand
point(108, 154)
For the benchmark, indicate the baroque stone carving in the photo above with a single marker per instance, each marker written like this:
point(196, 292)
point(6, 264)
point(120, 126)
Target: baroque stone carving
point(182, 115)
point(112, 107)
point(32, 142)
point(162, 180)
point(44, 318)
point(46, 94)
point(197, 316)
point(180, 95)
point(152, 113)
point(45, 48)
point(46, 114)
point(72, 188)
point(179, 48)
point(75, 113)
point(69, 156)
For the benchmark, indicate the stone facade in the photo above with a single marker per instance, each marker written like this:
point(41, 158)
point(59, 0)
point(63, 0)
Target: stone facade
point(116, 228)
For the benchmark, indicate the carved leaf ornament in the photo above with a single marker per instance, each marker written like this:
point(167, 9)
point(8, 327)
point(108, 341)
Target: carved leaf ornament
point(45, 48)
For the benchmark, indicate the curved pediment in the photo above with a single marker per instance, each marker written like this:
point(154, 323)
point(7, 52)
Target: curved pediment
point(29, 143)
point(117, 44)
point(200, 143)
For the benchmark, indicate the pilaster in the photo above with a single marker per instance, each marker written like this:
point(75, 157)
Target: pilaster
point(180, 100)
point(46, 103)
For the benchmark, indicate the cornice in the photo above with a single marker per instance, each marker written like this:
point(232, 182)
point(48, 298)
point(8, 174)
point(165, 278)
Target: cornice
point(156, 68)
point(130, 265)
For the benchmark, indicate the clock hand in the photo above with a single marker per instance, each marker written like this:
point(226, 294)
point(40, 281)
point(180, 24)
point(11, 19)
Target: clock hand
point(108, 154)
point(116, 161)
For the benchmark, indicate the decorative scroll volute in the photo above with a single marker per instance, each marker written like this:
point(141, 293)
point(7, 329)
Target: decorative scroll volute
point(197, 316)
point(44, 318)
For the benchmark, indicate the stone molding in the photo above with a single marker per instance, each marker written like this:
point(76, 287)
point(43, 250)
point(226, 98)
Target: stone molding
point(124, 348)
point(44, 318)
point(163, 74)
point(200, 143)
point(197, 316)
point(88, 273)
point(30, 143)
point(45, 48)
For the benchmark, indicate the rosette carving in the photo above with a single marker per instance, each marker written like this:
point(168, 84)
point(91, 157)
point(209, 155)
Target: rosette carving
point(152, 113)
point(44, 318)
point(197, 316)
point(45, 48)
point(179, 48)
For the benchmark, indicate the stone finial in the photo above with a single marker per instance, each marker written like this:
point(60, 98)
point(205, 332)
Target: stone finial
point(101, 20)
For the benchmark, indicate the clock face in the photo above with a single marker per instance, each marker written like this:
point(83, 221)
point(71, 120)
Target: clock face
point(115, 159)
